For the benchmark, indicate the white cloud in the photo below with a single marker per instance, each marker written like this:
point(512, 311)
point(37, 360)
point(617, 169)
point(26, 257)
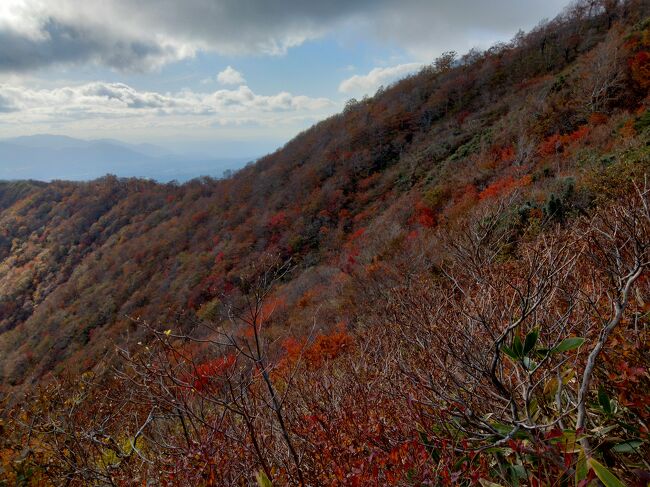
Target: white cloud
point(230, 76)
point(368, 83)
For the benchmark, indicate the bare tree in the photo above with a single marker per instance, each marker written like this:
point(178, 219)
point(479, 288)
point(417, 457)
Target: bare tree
point(508, 344)
point(601, 75)
point(226, 393)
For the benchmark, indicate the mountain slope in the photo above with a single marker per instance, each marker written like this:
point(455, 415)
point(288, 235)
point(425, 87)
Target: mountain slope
point(551, 127)
point(80, 257)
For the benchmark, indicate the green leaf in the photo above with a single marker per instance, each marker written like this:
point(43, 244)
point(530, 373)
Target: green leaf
point(262, 479)
point(531, 341)
point(605, 476)
point(604, 401)
point(509, 352)
point(568, 344)
point(627, 446)
point(517, 347)
point(581, 467)
point(429, 446)
point(505, 430)
point(517, 472)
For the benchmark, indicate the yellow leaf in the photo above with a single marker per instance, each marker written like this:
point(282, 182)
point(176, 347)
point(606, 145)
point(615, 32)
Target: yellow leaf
point(263, 480)
point(168, 332)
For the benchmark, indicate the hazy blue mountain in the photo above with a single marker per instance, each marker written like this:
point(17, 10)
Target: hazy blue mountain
point(46, 157)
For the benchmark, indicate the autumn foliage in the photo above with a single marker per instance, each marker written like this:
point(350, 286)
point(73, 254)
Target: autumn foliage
point(417, 291)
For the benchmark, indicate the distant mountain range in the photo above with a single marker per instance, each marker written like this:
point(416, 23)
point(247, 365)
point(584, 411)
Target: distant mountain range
point(47, 157)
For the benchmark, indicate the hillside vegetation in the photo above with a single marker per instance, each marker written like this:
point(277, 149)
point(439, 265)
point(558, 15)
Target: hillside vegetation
point(446, 284)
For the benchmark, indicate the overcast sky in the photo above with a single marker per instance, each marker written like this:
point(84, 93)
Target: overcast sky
point(236, 76)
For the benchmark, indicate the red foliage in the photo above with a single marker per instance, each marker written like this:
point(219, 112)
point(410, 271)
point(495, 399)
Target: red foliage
point(357, 234)
point(350, 260)
point(462, 116)
point(579, 134)
point(424, 215)
point(207, 374)
point(343, 214)
point(277, 220)
point(366, 183)
point(551, 145)
point(503, 186)
point(506, 154)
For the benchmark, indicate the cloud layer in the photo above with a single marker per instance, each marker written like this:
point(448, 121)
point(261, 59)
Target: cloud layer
point(144, 34)
point(101, 102)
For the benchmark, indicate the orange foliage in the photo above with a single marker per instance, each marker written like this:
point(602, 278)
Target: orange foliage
point(627, 130)
point(499, 156)
point(323, 348)
point(640, 69)
point(270, 307)
point(363, 215)
point(556, 143)
point(368, 182)
point(327, 347)
point(307, 297)
point(463, 200)
point(503, 186)
point(598, 118)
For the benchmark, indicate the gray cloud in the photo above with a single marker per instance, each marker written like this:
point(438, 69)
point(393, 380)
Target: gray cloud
point(141, 34)
point(427, 28)
point(63, 43)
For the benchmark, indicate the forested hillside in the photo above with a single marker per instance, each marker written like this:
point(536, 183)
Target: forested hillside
point(446, 284)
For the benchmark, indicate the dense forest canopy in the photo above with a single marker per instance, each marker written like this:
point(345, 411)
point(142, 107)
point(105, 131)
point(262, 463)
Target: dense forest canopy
point(447, 283)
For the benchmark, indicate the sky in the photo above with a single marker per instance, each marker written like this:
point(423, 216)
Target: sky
point(232, 77)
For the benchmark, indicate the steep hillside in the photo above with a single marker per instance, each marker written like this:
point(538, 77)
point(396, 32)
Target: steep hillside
point(351, 220)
